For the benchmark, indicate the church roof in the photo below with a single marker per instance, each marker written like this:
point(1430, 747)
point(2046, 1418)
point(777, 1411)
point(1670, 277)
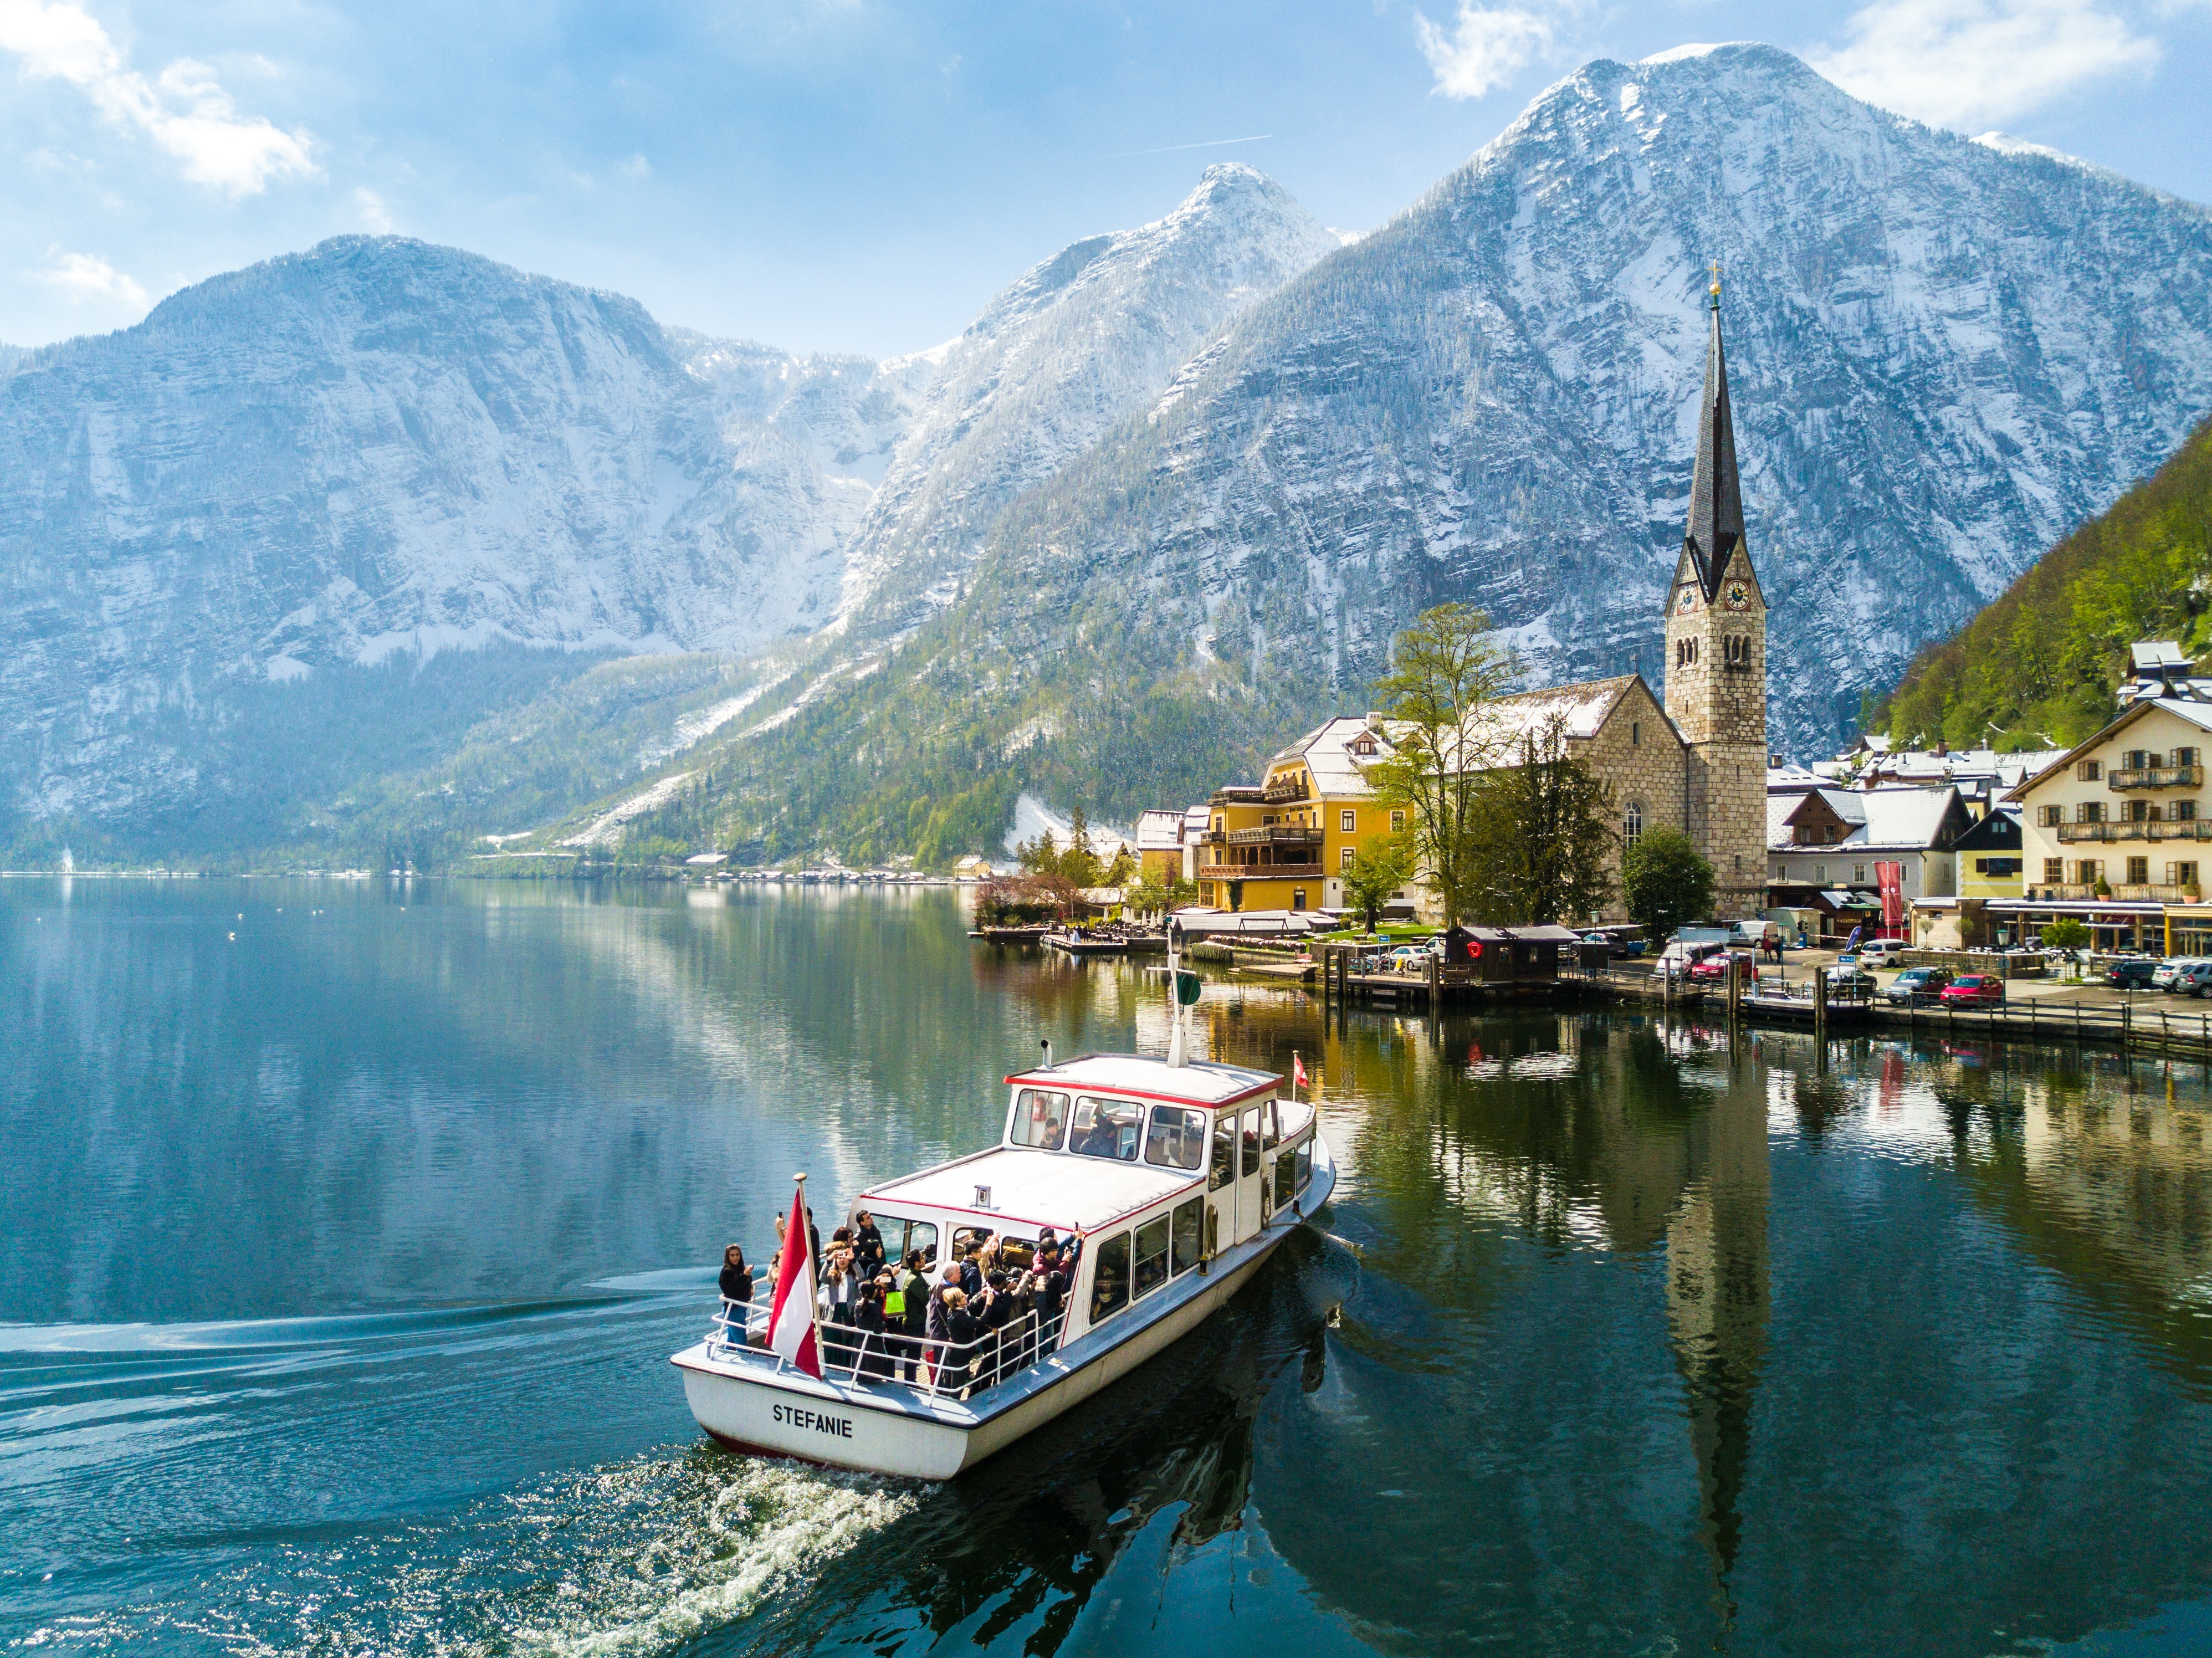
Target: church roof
point(1494, 735)
point(1715, 527)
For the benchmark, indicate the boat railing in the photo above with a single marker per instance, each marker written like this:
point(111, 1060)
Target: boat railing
point(849, 1356)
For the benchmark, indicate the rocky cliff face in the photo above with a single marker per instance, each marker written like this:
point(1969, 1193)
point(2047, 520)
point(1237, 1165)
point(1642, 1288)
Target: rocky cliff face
point(382, 446)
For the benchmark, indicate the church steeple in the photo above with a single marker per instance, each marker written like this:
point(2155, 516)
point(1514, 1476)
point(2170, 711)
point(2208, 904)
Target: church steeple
point(1715, 527)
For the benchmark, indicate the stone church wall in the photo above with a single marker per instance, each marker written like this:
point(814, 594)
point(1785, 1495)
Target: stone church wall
point(1639, 757)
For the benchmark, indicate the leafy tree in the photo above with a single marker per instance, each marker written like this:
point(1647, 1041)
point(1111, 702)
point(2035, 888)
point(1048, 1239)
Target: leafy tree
point(1024, 900)
point(1378, 870)
point(1156, 895)
point(1666, 881)
point(1443, 670)
point(1543, 835)
point(2065, 933)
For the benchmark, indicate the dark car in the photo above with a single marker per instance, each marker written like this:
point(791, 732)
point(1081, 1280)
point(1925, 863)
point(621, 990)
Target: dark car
point(1916, 985)
point(2133, 973)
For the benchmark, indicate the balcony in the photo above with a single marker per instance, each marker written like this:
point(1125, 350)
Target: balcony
point(2130, 893)
point(2156, 777)
point(1288, 788)
point(1273, 835)
point(2193, 829)
point(1260, 872)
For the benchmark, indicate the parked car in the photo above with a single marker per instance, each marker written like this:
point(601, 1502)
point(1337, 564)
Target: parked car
point(1851, 984)
point(2163, 975)
point(1917, 985)
point(1969, 988)
point(2136, 973)
point(2193, 979)
point(1713, 968)
point(1881, 952)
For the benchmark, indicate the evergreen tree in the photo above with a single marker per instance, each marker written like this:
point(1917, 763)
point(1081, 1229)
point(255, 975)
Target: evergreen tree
point(1667, 884)
point(1543, 835)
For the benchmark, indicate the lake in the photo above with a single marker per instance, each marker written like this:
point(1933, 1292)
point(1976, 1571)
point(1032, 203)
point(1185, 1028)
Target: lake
point(350, 1225)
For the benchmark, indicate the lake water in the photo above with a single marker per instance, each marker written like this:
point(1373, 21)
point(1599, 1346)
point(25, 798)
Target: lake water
point(349, 1227)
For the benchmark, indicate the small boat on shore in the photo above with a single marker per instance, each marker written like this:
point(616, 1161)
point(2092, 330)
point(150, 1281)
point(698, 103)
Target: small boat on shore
point(1175, 1182)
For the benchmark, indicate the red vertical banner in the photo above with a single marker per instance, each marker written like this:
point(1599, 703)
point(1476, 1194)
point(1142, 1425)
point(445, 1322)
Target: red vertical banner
point(1890, 878)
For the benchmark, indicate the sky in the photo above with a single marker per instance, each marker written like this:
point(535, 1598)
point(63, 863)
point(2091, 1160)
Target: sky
point(861, 175)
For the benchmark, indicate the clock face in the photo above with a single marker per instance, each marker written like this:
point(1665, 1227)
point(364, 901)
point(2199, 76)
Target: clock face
point(1688, 601)
point(1739, 596)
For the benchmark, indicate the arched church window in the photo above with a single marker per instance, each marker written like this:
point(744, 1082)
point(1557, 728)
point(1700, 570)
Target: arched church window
point(1632, 823)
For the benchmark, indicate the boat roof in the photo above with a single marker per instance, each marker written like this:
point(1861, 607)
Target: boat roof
point(1201, 1083)
point(1032, 1188)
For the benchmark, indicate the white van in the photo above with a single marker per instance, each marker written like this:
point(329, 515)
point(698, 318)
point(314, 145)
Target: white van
point(1755, 934)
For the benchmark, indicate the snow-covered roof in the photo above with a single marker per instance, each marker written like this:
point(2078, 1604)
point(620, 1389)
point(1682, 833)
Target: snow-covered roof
point(1160, 831)
point(1904, 819)
point(1032, 1188)
point(1494, 736)
point(1791, 778)
point(1326, 753)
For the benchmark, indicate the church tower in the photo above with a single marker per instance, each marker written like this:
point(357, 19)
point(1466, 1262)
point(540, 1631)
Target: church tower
point(1716, 657)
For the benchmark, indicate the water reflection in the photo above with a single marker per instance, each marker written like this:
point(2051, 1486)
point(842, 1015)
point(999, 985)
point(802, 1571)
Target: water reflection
point(1622, 1335)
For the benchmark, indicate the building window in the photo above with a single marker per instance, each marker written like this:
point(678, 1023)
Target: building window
point(2136, 760)
point(2090, 771)
point(1632, 823)
point(1820, 873)
point(2185, 812)
point(1345, 855)
point(2181, 875)
point(2090, 811)
point(2050, 817)
point(1859, 874)
point(1347, 821)
point(2138, 871)
point(2184, 757)
point(2088, 871)
point(1686, 652)
point(1218, 822)
point(1397, 822)
point(1635, 733)
point(1297, 897)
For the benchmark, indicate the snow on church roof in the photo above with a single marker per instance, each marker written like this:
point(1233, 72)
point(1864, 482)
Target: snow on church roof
point(1499, 729)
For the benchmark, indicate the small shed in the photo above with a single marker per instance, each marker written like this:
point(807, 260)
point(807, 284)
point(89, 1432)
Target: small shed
point(1522, 955)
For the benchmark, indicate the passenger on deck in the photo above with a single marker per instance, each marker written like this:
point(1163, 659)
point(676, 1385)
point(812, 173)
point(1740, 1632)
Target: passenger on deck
point(1051, 1291)
point(837, 1298)
point(737, 1286)
point(875, 1354)
point(961, 1330)
point(867, 1244)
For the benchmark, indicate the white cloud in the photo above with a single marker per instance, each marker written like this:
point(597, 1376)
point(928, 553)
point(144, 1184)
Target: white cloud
point(1485, 48)
point(89, 280)
point(1965, 63)
point(637, 166)
point(374, 213)
point(183, 110)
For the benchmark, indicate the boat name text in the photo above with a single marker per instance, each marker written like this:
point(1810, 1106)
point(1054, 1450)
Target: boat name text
point(841, 1426)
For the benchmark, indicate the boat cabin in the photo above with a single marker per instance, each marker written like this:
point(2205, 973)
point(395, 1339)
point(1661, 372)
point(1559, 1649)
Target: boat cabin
point(1155, 1167)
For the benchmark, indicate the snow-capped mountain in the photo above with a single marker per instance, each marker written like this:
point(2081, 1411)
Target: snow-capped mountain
point(1944, 354)
point(1083, 340)
point(379, 445)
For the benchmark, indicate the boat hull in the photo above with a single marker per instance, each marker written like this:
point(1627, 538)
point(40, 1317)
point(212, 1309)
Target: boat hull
point(890, 1430)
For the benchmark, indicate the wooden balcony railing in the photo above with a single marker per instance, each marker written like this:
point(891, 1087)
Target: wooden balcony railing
point(1260, 872)
point(2156, 777)
point(1287, 788)
point(2194, 828)
point(1274, 834)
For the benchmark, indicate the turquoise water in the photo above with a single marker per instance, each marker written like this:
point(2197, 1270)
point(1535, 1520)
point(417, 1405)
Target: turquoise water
point(349, 1227)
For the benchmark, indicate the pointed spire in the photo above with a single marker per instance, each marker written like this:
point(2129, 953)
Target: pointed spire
point(1715, 527)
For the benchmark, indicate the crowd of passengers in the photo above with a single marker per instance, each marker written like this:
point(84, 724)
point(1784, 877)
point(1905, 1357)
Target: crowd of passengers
point(996, 1304)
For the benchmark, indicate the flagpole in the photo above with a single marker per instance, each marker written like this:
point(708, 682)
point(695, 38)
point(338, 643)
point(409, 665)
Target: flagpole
point(813, 1274)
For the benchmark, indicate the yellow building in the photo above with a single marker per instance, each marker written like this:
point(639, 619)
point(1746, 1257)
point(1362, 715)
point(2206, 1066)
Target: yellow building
point(1286, 842)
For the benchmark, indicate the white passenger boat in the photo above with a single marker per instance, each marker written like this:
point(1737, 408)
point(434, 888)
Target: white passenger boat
point(1178, 1179)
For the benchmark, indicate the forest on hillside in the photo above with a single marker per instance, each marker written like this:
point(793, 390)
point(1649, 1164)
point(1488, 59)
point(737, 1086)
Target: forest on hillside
point(2038, 668)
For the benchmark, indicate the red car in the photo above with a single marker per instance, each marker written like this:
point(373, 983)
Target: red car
point(1715, 967)
point(1970, 987)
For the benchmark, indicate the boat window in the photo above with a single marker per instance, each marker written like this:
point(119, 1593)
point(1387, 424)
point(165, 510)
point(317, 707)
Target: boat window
point(965, 1238)
point(1177, 1139)
point(1251, 1142)
point(1305, 1163)
point(1109, 1281)
point(1224, 1151)
point(1151, 1269)
point(1106, 1128)
point(900, 1236)
point(1039, 1118)
point(1286, 1175)
point(1189, 1236)
point(1270, 1126)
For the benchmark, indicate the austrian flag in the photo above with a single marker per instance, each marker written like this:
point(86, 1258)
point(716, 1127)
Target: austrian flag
point(1298, 1071)
point(791, 1320)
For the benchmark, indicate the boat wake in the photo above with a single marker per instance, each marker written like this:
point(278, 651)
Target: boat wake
point(191, 1488)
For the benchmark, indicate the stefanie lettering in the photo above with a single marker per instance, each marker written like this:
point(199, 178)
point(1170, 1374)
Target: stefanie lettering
point(841, 1426)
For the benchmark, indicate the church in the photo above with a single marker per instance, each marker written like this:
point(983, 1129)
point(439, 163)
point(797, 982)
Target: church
point(1695, 761)
point(1698, 759)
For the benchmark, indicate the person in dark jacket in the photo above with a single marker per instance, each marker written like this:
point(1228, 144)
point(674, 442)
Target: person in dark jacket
point(971, 1270)
point(875, 1356)
point(914, 1288)
point(1051, 1299)
point(867, 1244)
point(737, 1286)
point(963, 1331)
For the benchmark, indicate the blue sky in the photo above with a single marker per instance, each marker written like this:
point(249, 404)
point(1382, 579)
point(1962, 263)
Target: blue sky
point(858, 175)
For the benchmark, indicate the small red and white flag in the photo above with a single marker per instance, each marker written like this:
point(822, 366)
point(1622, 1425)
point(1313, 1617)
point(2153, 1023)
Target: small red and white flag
point(791, 1320)
point(1298, 1071)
